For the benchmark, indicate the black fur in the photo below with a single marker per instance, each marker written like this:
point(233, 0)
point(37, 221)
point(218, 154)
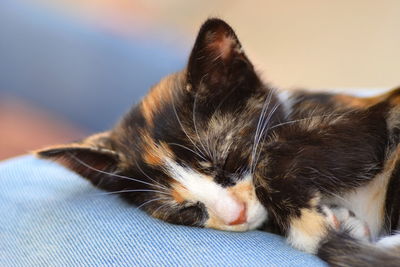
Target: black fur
point(327, 145)
point(341, 250)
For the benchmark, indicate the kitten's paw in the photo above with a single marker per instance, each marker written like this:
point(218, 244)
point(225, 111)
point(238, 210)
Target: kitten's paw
point(344, 219)
point(391, 241)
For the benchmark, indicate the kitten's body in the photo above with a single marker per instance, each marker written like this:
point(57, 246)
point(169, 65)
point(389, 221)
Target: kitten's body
point(357, 169)
point(333, 152)
point(372, 153)
point(212, 146)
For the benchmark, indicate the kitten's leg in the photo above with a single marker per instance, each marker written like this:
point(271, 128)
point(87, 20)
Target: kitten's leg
point(296, 213)
point(307, 231)
point(390, 242)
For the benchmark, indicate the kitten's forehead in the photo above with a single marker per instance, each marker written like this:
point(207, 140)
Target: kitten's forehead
point(225, 132)
point(172, 114)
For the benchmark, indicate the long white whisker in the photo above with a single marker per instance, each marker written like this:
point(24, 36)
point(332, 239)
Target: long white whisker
point(111, 174)
point(262, 114)
point(185, 147)
point(195, 125)
point(308, 118)
point(213, 147)
point(336, 196)
point(155, 212)
point(267, 121)
point(131, 191)
point(263, 135)
point(260, 119)
point(148, 177)
point(183, 128)
point(260, 129)
point(150, 201)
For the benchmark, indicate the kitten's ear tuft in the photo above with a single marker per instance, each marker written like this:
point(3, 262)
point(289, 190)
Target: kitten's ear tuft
point(217, 57)
point(91, 158)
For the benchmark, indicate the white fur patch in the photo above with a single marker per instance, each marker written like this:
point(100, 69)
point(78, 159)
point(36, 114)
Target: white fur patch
point(303, 241)
point(217, 199)
point(368, 201)
point(286, 101)
point(389, 241)
point(256, 212)
point(357, 228)
point(203, 189)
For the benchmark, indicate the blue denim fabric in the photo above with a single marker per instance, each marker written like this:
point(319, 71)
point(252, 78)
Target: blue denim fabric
point(51, 217)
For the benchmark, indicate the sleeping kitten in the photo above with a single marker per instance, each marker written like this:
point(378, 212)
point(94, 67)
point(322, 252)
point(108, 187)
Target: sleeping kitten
point(213, 146)
point(180, 154)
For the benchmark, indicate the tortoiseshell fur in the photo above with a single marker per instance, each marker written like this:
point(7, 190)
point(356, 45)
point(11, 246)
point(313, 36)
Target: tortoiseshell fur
point(214, 146)
point(197, 119)
point(340, 150)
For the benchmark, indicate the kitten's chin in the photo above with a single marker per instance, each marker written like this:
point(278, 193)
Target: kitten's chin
point(234, 228)
point(224, 227)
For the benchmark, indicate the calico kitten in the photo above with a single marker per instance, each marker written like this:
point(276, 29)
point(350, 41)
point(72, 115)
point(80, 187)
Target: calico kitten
point(180, 153)
point(213, 146)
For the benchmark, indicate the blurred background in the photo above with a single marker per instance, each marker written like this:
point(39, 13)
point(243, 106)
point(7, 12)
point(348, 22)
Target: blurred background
point(69, 68)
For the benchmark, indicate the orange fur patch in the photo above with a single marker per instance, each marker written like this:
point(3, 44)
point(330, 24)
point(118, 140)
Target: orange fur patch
point(177, 196)
point(310, 223)
point(180, 193)
point(364, 102)
point(153, 153)
point(158, 95)
point(151, 158)
point(242, 190)
point(310, 226)
point(395, 100)
point(358, 102)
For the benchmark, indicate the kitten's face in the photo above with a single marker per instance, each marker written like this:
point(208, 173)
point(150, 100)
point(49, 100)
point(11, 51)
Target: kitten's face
point(184, 154)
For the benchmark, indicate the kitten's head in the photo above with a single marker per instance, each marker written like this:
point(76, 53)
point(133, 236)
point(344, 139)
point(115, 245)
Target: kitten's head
point(184, 153)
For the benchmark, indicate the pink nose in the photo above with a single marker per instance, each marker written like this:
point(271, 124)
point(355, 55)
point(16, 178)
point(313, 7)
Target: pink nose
point(242, 217)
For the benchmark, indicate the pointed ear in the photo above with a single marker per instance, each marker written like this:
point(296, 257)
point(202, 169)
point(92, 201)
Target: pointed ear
point(91, 158)
point(217, 60)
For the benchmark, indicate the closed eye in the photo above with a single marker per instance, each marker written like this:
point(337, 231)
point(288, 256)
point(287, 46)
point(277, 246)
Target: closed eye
point(224, 178)
point(207, 167)
point(194, 215)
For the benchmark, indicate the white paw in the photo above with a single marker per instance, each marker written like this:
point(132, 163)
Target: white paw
point(343, 219)
point(389, 241)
